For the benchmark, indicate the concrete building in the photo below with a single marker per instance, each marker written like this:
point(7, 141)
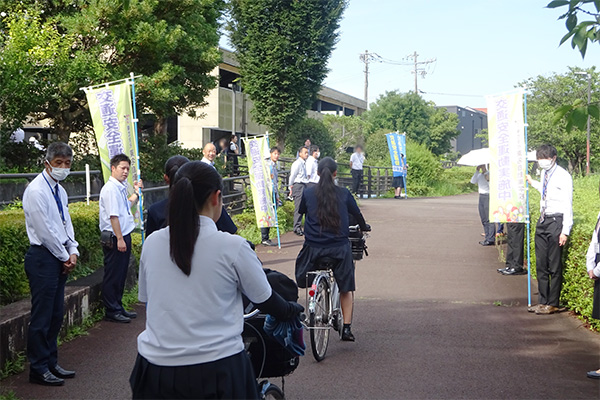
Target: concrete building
point(229, 109)
point(471, 122)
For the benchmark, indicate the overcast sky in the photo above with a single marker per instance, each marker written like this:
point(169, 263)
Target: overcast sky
point(481, 47)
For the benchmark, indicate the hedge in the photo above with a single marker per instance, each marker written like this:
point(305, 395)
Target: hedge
point(14, 244)
point(578, 288)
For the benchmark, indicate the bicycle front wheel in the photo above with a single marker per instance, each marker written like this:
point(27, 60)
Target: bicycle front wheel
point(319, 321)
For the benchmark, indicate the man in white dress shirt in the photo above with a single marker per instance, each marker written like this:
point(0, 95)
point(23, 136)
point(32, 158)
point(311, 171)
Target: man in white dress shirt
point(552, 229)
point(312, 163)
point(297, 183)
point(50, 258)
point(209, 152)
point(593, 270)
point(116, 221)
point(481, 178)
point(356, 168)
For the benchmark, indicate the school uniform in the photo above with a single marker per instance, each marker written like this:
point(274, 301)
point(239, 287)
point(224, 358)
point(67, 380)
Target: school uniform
point(298, 181)
point(593, 264)
point(192, 345)
point(483, 187)
point(312, 165)
point(114, 202)
point(320, 242)
point(357, 161)
point(52, 242)
point(556, 218)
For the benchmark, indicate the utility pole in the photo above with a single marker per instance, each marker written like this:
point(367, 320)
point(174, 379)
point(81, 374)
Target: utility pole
point(367, 57)
point(418, 70)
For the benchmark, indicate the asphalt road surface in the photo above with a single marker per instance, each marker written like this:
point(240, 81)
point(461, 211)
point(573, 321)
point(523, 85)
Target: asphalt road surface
point(433, 320)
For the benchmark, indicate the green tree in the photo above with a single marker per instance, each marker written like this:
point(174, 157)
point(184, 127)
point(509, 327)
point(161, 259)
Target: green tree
point(580, 32)
point(172, 43)
point(347, 131)
point(410, 113)
point(283, 47)
point(312, 129)
point(549, 93)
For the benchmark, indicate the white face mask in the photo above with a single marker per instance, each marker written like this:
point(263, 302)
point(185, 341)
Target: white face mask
point(317, 154)
point(59, 174)
point(545, 164)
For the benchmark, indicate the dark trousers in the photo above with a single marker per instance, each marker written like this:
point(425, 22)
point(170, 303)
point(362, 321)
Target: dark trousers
point(548, 260)
point(357, 177)
point(515, 253)
point(484, 215)
point(264, 233)
point(47, 284)
point(115, 275)
point(297, 191)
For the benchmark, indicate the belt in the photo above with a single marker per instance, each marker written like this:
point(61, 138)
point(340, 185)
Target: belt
point(554, 215)
point(299, 183)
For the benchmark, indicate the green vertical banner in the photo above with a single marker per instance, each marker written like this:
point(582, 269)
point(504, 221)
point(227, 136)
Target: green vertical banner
point(507, 158)
point(112, 117)
point(257, 151)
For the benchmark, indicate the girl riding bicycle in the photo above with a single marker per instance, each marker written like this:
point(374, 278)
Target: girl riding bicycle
point(327, 208)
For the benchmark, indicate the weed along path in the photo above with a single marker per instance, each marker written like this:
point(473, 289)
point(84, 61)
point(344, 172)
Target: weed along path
point(432, 319)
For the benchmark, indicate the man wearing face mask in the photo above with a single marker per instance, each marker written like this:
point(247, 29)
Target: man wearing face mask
point(552, 229)
point(50, 258)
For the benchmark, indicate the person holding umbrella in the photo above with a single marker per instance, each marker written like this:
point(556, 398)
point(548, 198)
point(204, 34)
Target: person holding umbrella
point(481, 178)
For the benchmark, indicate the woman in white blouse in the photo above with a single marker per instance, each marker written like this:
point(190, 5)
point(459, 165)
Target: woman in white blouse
point(192, 277)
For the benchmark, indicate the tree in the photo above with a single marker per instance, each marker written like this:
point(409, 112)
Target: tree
point(312, 129)
point(421, 121)
point(172, 43)
point(283, 47)
point(347, 131)
point(548, 94)
point(580, 32)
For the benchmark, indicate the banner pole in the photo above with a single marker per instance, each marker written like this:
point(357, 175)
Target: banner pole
point(527, 202)
point(137, 154)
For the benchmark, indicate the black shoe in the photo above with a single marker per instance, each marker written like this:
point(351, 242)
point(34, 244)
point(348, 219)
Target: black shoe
point(486, 243)
point(593, 375)
point(129, 314)
point(117, 318)
point(299, 232)
point(268, 242)
point(347, 335)
point(60, 372)
point(46, 379)
point(514, 271)
point(501, 270)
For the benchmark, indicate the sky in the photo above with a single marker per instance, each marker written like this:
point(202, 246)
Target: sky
point(481, 47)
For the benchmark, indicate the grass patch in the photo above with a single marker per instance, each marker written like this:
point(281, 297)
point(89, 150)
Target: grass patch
point(13, 367)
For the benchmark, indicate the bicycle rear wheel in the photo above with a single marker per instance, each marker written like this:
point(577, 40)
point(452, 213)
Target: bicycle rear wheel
point(319, 319)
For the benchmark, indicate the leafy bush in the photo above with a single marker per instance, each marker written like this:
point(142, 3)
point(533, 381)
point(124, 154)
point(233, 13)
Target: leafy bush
point(314, 130)
point(578, 288)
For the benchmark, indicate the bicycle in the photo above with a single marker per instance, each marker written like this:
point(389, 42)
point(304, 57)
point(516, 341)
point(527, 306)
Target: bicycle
point(323, 296)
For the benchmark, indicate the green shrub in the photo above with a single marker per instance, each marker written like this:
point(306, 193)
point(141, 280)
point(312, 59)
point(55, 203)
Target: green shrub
point(578, 288)
point(246, 222)
point(314, 130)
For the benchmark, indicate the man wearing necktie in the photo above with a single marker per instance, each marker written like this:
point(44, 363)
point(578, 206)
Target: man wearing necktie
point(50, 258)
point(297, 183)
point(552, 229)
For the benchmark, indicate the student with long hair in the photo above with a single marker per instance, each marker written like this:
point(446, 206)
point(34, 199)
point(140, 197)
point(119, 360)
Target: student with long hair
point(192, 277)
point(327, 208)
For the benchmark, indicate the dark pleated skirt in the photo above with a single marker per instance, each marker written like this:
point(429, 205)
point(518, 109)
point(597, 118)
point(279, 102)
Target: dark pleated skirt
point(596, 301)
point(228, 378)
point(343, 272)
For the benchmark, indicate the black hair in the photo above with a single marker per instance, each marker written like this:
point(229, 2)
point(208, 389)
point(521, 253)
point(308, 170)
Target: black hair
point(194, 182)
point(327, 197)
point(58, 149)
point(302, 147)
point(545, 151)
point(275, 149)
point(313, 149)
point(119, 158)
point(358, 146)
point(172, 166)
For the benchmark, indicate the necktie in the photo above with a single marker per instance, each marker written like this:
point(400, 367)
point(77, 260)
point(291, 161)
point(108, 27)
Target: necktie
point(59, 204)
point(544, 195)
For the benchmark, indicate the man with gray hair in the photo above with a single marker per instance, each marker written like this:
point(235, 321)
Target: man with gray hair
point(50, 258)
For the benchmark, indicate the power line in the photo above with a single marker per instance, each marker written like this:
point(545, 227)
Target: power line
point(367, 57)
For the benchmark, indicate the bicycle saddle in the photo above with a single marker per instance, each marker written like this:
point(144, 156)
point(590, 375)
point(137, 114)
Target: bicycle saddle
point(326, 263)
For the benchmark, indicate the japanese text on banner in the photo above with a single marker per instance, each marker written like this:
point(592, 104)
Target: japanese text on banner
point(397, 146)
point(261, 182)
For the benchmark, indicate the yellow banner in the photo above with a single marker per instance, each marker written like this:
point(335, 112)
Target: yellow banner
point(508, 158)
point(257, 151)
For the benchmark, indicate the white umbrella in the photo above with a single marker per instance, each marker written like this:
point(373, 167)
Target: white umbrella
point(475, 157)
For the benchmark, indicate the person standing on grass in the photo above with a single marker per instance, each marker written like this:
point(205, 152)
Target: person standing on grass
point(52, 255)
point(481, 178)
point(356, 168)
point(553, 228)
point(272, 163)
point(593, 270)
point(297, 183)
point(116, 221)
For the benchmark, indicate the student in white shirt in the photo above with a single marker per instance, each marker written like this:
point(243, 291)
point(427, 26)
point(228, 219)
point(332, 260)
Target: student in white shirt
point(117, 223)
point(593, 270)
point(356, 168)
point(481, 179)
point(552, 229)
point(312, 163)
point(192, 278)
point(49, 260)
point(297, 183)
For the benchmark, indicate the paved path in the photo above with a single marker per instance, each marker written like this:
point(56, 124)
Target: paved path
point(426, 324)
